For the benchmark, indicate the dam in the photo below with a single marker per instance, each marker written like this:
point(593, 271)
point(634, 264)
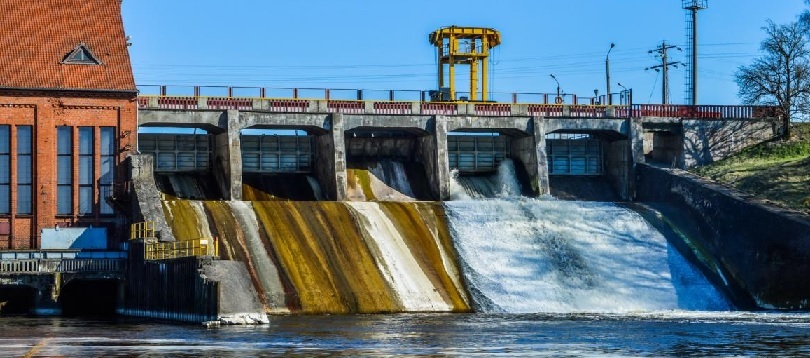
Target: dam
point(334, 206)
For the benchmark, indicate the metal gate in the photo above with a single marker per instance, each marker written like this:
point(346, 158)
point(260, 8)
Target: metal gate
point(574, 156)
point(176, 152)
point(277, 154)
point(475, 153)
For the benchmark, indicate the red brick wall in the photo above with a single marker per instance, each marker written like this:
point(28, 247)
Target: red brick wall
point(45, 111)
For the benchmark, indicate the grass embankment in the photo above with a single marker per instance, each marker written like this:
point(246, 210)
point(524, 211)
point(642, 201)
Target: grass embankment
point(777, 172)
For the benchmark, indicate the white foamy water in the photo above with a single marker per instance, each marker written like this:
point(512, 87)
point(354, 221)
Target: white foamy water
point(503, 184)
point(316, 188)
point(559, 257)
point(396, 262)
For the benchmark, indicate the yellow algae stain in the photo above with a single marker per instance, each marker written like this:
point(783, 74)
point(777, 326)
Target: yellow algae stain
point(359, 185)
point(232, 244)
point(436, 219)
point(323, 253)
point(320, 248)
point(251, 193)
point(183, 219)
point(414, 225)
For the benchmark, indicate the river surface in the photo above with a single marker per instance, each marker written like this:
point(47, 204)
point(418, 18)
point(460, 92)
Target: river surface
point(665, 333)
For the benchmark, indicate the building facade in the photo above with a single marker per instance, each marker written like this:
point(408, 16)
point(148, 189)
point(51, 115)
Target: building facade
point(68, 118)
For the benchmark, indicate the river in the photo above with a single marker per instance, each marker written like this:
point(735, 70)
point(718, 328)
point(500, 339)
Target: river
point(664, 333)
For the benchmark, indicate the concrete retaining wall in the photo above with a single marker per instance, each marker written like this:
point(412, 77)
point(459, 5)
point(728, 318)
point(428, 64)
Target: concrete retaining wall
point(705, 141)
point(763, 250)
point(190, 289)
point(147, 202)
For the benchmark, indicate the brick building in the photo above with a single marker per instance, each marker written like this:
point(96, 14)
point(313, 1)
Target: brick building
point(68, 117)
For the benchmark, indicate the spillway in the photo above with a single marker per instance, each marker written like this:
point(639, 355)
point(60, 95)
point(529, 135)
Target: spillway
point(489, 250)
point(334, 257)
point(532, 255)
point(387, 180)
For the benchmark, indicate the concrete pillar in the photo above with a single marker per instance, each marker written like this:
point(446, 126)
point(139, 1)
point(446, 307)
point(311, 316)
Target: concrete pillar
point(427, 154)
point(442, 162)
point(543, 186)
point(227, 158)
point(636, 147)
point(147, 204)
point(330, 159)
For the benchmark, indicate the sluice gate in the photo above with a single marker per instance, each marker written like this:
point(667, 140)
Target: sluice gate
point(476, 153)
point(274, 154)
point(574, 154)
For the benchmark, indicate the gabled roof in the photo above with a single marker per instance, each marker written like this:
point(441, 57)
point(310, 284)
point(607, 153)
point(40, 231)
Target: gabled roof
point(38, 37)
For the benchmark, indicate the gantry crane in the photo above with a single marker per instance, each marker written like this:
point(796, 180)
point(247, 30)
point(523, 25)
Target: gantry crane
point(465, 46)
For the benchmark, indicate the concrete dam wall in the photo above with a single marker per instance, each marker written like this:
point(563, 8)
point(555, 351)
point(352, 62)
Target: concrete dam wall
point(382, 243)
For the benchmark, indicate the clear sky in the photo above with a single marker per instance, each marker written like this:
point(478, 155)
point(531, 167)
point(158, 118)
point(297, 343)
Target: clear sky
point(384, 44)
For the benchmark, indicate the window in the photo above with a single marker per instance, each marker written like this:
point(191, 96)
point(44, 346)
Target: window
point(81, 55)
point(24, 170)
point(107, 169)
point(64, 171)
point(86, 170)
point(5, 170)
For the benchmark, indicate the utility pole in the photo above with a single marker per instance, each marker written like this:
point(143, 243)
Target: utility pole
point(664, 68)
point(607, 73)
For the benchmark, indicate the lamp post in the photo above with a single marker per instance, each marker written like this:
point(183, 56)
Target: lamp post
point(558, 88)
point(607, 73)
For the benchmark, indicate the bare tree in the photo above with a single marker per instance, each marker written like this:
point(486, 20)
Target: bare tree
point(781, 77)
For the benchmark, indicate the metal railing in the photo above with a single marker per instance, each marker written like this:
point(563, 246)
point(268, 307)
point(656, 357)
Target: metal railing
point(349, 101)
point(62, 265)
point(142, 230)
point(185, 248)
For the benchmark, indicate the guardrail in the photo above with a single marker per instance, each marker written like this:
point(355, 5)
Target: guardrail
point(62, 265)
point(358, 102)
point(142, 230)
point(185, 248)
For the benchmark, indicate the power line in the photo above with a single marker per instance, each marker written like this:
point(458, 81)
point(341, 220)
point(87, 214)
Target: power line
point(664, 68)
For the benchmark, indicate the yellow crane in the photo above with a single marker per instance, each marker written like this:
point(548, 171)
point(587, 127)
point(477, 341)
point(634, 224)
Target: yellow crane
point(458, 45)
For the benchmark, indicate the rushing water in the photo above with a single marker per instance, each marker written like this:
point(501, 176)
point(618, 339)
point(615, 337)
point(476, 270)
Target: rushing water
point(668, 333)
point(546, 256)
point(547, 278)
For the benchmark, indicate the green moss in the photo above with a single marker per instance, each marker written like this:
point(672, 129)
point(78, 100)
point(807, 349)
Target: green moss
point(776, 171)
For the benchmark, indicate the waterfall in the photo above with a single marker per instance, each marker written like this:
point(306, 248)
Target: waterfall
point(503, 184)
point(530, 255)
point(384, 180)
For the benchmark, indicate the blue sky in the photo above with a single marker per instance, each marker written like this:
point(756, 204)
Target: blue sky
point(383, 44)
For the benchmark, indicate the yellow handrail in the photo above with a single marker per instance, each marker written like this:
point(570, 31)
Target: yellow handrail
point(185, 248)
point(142, 230)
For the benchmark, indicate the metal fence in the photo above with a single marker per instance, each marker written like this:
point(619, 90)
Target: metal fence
point(410, 102)
point(185, 248)
point(62, 265)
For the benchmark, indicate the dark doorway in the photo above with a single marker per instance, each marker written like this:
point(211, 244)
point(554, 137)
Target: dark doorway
point(89, 298)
